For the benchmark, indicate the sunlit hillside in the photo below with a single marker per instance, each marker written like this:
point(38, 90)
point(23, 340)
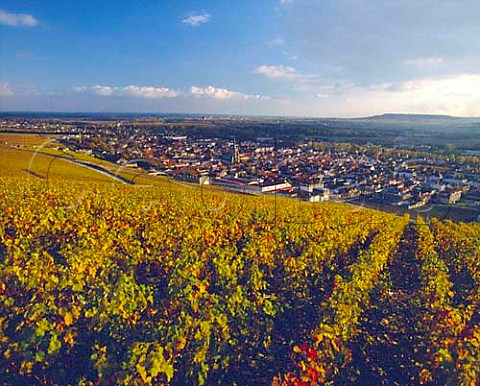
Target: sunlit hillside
point(148, 281)
point(40, 157)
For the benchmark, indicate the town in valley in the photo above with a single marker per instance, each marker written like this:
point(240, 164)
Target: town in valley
point(438, 181)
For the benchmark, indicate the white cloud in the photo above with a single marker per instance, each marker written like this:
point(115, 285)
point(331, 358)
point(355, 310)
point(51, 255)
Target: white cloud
point(425, 61)
point(103, 90)
point(222, 93)
point(151, 92)
point(196, 20)
point(17, 19)
point(5, 90)
point(279, 71)
point(285, 2)
point(148, 92)
point(20, 90)
point(453, 95)
point(79, 88)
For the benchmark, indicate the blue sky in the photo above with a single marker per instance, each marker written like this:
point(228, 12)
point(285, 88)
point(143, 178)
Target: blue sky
point(271, 57)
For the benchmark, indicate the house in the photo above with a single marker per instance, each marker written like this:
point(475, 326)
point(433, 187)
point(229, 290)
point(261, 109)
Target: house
point(191, 175)
point(242, 185)
point(318, 195)
point(449, 198)
point(310, 184)
point(274, 185)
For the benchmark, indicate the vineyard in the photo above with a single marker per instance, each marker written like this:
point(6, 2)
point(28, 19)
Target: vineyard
point(103, 284)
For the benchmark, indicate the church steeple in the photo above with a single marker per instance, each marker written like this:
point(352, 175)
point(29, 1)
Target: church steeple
point(236, 153)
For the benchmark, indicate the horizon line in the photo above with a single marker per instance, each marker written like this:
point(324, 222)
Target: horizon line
point(385, 114)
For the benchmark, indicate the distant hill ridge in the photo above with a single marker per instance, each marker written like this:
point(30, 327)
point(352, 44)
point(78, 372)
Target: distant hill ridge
point(399, 116)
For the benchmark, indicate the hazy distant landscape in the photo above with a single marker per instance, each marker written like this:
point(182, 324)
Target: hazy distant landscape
point(117, 269)
point(386, 129)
